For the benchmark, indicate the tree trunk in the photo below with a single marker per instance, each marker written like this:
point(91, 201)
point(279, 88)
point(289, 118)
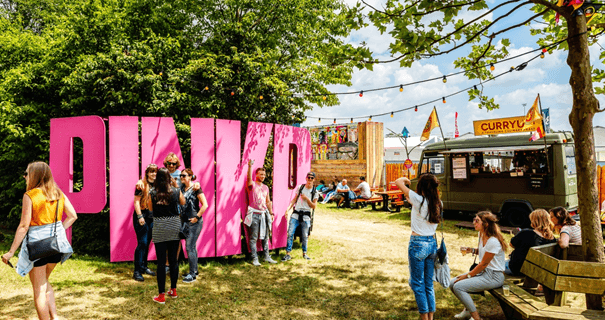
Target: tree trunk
point(585, 105)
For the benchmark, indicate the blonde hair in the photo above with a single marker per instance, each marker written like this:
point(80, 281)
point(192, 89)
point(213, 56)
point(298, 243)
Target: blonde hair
point(172, 156)
point(40, 176)
point(540, 221)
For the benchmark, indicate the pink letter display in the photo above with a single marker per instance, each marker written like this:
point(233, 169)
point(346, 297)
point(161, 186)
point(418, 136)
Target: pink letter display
point(282, 195)
point(216, 160)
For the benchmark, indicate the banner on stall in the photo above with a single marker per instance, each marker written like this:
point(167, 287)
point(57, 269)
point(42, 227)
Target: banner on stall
point(336, 142)
point(504, 125)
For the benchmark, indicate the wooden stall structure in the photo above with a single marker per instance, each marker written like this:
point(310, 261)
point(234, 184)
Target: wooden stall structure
point(369, 162)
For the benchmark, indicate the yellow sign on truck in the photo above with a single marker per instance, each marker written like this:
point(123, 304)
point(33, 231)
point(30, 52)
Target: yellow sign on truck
point(505, 125)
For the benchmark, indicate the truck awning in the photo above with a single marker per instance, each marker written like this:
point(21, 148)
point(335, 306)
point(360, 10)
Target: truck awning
point(491, 149)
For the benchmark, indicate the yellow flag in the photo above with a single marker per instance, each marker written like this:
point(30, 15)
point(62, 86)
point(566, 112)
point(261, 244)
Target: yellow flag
point(533, 114)
point(431, 124)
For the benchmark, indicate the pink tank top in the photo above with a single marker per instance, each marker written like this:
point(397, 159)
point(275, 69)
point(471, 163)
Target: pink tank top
point(258, 196)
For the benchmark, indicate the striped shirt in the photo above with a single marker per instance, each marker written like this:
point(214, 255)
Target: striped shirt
point(574, 232)
point(166, 220)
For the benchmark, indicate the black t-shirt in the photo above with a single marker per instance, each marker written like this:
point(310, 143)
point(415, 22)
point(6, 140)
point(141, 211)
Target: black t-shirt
point(522, 242)
point(192, 204)
point(147, 214)
point(166, 210)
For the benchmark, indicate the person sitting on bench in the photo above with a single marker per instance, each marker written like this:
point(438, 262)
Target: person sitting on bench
point(344, 190)
point(364, 189)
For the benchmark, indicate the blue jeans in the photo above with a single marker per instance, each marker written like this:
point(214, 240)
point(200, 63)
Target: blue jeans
point(191, 244)
point(294, 223)
point(422, 267)
point(143, 241)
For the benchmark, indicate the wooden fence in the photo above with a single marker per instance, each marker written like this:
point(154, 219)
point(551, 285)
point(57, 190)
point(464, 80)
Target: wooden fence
point(398, 170)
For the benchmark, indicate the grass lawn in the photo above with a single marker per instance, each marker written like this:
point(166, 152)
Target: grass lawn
point(359, 271)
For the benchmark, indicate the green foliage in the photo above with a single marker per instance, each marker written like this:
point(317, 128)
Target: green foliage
point(156, 58)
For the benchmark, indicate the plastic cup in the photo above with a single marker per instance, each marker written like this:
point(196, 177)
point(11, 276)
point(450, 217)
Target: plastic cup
point(506, 290)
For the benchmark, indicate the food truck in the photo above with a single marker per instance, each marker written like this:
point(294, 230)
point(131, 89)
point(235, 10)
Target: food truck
point(506, 174)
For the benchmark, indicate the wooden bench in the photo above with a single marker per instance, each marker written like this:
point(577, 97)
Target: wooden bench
point(356, 204)
point(397, 205)
point(557, 277)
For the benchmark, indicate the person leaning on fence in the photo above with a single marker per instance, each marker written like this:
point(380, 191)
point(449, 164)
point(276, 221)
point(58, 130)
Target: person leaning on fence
point(142, 221)
point(259, 218)
point(489, 273)
point(304, 203)
point(192, 213)
point(425, 217)
point(42, 209)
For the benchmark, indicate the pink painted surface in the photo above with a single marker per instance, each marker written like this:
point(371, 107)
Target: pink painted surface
point(124, 174)
point(202, 164)
point(283, 136)
point(91, 129)
point(255, 148)
point(159, 138)
point(230, 193)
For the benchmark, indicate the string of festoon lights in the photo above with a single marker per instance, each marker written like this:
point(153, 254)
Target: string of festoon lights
point(443, 99)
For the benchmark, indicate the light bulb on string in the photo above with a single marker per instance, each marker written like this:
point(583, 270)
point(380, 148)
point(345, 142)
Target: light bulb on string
point(370, 118)
point(416, 108)
point(443, 99)
point(544, 50)
point(475, 87)
point(206, 88)
point(261, 97)
point(324, 97)
point(232, 93)
point(512, 68)
point(334, 120)
point(491, 67)
point(351, 120)
point(319, 120)
point(391, 114)
point(361, 93)
point(400, 88)
point(444, 79)
point(542, 55)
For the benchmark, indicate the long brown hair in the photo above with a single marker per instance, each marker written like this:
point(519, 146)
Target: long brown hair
point(427, 188)
point(563, 217)
point(40, 176)
point(540, 221)
point(162, 186)
point(146, 199)
point(491, 228)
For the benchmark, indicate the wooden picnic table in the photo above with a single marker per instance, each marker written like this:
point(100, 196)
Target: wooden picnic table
point(386, 195)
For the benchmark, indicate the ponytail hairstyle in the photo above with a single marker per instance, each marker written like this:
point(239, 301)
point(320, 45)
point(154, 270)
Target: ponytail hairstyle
point(163, 187)
point(427, 188)
point(40, 176)
point(189, 172)
point(489, 221)
point(563, 217)
point(540, 221)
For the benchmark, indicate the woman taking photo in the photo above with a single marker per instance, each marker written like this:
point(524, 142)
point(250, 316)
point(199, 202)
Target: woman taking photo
point(425, 215)
point(489, 273)
point(568, 227)
point(193, 215)
point(42, 211)
point(142, 221)
point(165, 201)
point(539, 234)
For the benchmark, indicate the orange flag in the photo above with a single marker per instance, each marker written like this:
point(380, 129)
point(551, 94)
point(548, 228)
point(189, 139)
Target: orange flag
point(533, 114)
point(431, 124)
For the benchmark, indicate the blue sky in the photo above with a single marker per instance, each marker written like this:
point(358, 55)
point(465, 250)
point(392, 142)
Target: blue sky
point(549, 77)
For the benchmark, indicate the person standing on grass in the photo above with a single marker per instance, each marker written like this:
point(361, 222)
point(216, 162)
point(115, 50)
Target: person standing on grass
point(425, 216)
point(489, 273)
point(304, 202)
point(259, 218)
point(193, 213)
point(165, 201)
point(142, 221)
point(41, 214)
point(570, 231)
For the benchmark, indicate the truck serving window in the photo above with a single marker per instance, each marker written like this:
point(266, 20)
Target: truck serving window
point(570, 158)
point(434, 164)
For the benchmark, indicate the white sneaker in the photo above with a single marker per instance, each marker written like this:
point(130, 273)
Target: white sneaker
point(463, 315)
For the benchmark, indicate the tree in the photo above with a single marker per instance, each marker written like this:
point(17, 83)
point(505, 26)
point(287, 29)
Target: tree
point(419, 34)
point(179, 59)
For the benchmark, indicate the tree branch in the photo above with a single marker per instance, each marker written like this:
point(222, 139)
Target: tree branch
point(446, 7)
point(552, 6)
point(520, 24)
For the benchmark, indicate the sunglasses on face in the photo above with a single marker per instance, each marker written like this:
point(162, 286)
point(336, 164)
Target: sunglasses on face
point(311, 178)
point(476, 220)
point(25, 174)
point(172, 163)
point(183, 175)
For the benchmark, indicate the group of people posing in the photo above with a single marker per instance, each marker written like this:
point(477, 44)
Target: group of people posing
point(491, 248)
point(167, 209)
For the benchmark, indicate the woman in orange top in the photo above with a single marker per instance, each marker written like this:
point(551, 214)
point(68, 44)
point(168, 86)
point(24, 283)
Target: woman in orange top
point(42, 204)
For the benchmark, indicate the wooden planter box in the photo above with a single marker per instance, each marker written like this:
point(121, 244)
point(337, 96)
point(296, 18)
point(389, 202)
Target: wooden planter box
point(563, 271)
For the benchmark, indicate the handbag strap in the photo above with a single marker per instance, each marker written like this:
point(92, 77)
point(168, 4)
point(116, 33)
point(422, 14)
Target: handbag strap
point(56, 218)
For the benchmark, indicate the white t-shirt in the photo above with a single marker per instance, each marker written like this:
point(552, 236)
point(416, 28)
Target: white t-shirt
point(492, 246)
point(420, 222)
point(302, 205)
point(365, 191)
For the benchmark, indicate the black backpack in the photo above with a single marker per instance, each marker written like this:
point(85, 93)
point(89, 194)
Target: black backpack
point(297, 233)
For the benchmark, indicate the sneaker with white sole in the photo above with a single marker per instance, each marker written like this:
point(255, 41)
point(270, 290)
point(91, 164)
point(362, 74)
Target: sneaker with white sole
point(172, 293)
point(463, 315)
point(189, 278)
point(270, 260)
point(255, 262)
point(286, 258)
point(306, 256)
point(159, 299)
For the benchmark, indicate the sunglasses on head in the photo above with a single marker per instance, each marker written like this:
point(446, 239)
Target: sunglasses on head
point(173, 163)
point(183, 175)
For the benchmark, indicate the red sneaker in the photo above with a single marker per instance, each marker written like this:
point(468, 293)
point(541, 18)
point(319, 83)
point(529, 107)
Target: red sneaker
point(160, 298)
point(172, 293)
